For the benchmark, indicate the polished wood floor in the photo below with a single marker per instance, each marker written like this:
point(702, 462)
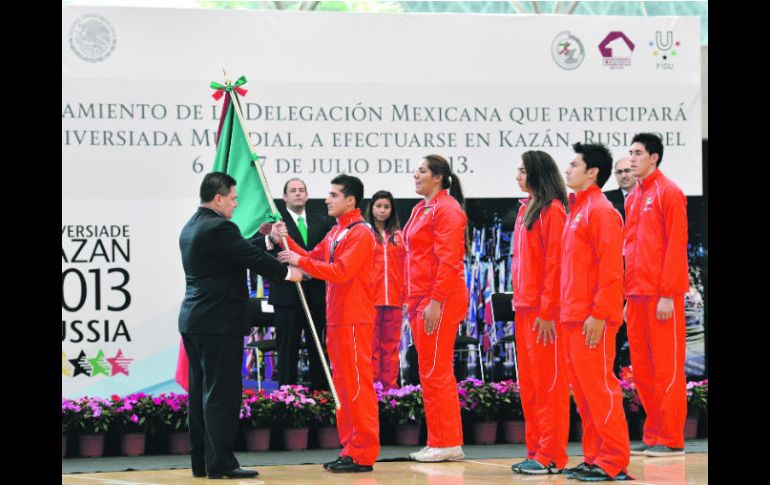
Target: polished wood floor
point(691, 469)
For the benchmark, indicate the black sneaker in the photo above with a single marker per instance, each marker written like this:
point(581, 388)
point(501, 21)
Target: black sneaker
point(516, 467)
point(639, 450)
point(326, 465)
point(534, 467)
point(661, 450)
point(347, 465)
point(594, 473)
point(570, 472)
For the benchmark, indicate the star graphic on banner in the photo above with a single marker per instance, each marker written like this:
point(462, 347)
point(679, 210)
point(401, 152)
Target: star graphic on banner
point(119, 363)
point(66, 368)
point(81, 365)
point(99, 365)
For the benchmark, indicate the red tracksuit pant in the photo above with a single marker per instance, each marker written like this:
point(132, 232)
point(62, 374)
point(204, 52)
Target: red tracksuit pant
point(435, 358)
point(544, 383)
point(350, 353)
point(385, 339)
point(658, 350)
point(598, 397)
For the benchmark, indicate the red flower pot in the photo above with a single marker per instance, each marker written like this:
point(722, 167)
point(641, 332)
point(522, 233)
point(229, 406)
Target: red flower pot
point(407, 434)
point(132, 444)
point(179, 442)
point(91, 445)
point(513, 431)
point(257, 439)
point(328, 437)
point(691, 428)
point(295, 439)
point(485, 432)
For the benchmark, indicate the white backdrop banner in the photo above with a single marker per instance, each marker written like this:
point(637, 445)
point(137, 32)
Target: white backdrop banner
point(329, 93)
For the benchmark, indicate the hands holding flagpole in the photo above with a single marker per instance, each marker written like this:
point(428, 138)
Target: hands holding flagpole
point(231, 90)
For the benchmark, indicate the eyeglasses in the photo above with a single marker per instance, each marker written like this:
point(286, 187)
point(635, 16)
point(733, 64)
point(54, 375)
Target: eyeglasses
point(621, 172)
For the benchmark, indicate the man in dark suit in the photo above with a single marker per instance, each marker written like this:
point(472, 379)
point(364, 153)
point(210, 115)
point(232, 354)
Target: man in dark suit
point(626, 183)
point(213, 320)
point(307, 229)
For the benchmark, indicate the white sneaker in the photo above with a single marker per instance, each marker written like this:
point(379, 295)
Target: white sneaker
point(414, 453)
point(429, 454)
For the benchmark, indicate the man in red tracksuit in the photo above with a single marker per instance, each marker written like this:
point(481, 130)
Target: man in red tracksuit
point(591, 312)
point(343, 259)
point(655, 241)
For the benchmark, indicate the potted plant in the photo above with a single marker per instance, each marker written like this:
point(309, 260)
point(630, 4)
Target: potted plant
point(325, 417)
point(256, 417)
point(403, 407)
point(697, 404)
point(171, 415)
point(70, 413)
point(511, 412)
point(479, 404)
point(632, 404)
point(294, 410)
point(133, 414)
point(94, 422)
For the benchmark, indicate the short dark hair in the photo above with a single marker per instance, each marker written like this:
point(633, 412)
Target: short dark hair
point(652, 143)
point(350, 186)
point(286, 185)
point(215, 183)
point(596, 155)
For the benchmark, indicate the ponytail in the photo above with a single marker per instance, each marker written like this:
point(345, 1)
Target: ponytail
point(456, 189)
point(438, 165)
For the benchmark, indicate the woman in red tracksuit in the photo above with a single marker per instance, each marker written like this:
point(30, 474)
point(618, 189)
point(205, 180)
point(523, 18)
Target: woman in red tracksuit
point(437, 300)
point(535, 276)
point(389, 256)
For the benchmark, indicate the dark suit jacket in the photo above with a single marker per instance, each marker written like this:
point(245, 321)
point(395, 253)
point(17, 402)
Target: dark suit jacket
point(618, 201)
point(215, 257)
point(285, 292)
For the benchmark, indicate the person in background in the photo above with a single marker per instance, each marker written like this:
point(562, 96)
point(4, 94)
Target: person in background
point(389, 296)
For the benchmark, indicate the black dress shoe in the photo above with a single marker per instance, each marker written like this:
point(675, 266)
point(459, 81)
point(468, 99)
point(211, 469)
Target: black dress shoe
point(326, 465)
point(199, 474)
point(236, 473)
point(594, 473)
point(347, 465)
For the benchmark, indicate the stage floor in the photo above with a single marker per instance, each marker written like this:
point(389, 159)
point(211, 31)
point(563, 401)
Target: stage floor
point(691, 469)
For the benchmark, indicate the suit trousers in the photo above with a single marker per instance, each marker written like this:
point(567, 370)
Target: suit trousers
point(290, 322)
point(214, 399)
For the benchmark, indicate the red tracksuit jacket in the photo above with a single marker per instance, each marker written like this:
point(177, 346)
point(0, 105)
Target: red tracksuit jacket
point(436, 248)
point(592, 259)
point(389, 271)
point(655, 239)
point(539, 251)
point(349, 288)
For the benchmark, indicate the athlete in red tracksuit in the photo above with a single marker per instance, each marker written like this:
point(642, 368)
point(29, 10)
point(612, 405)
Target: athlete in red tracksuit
point(343, 259)
point(592, 311)
point(655, 242)
point(536, 256)
point(438, 301)
point(389, 296)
